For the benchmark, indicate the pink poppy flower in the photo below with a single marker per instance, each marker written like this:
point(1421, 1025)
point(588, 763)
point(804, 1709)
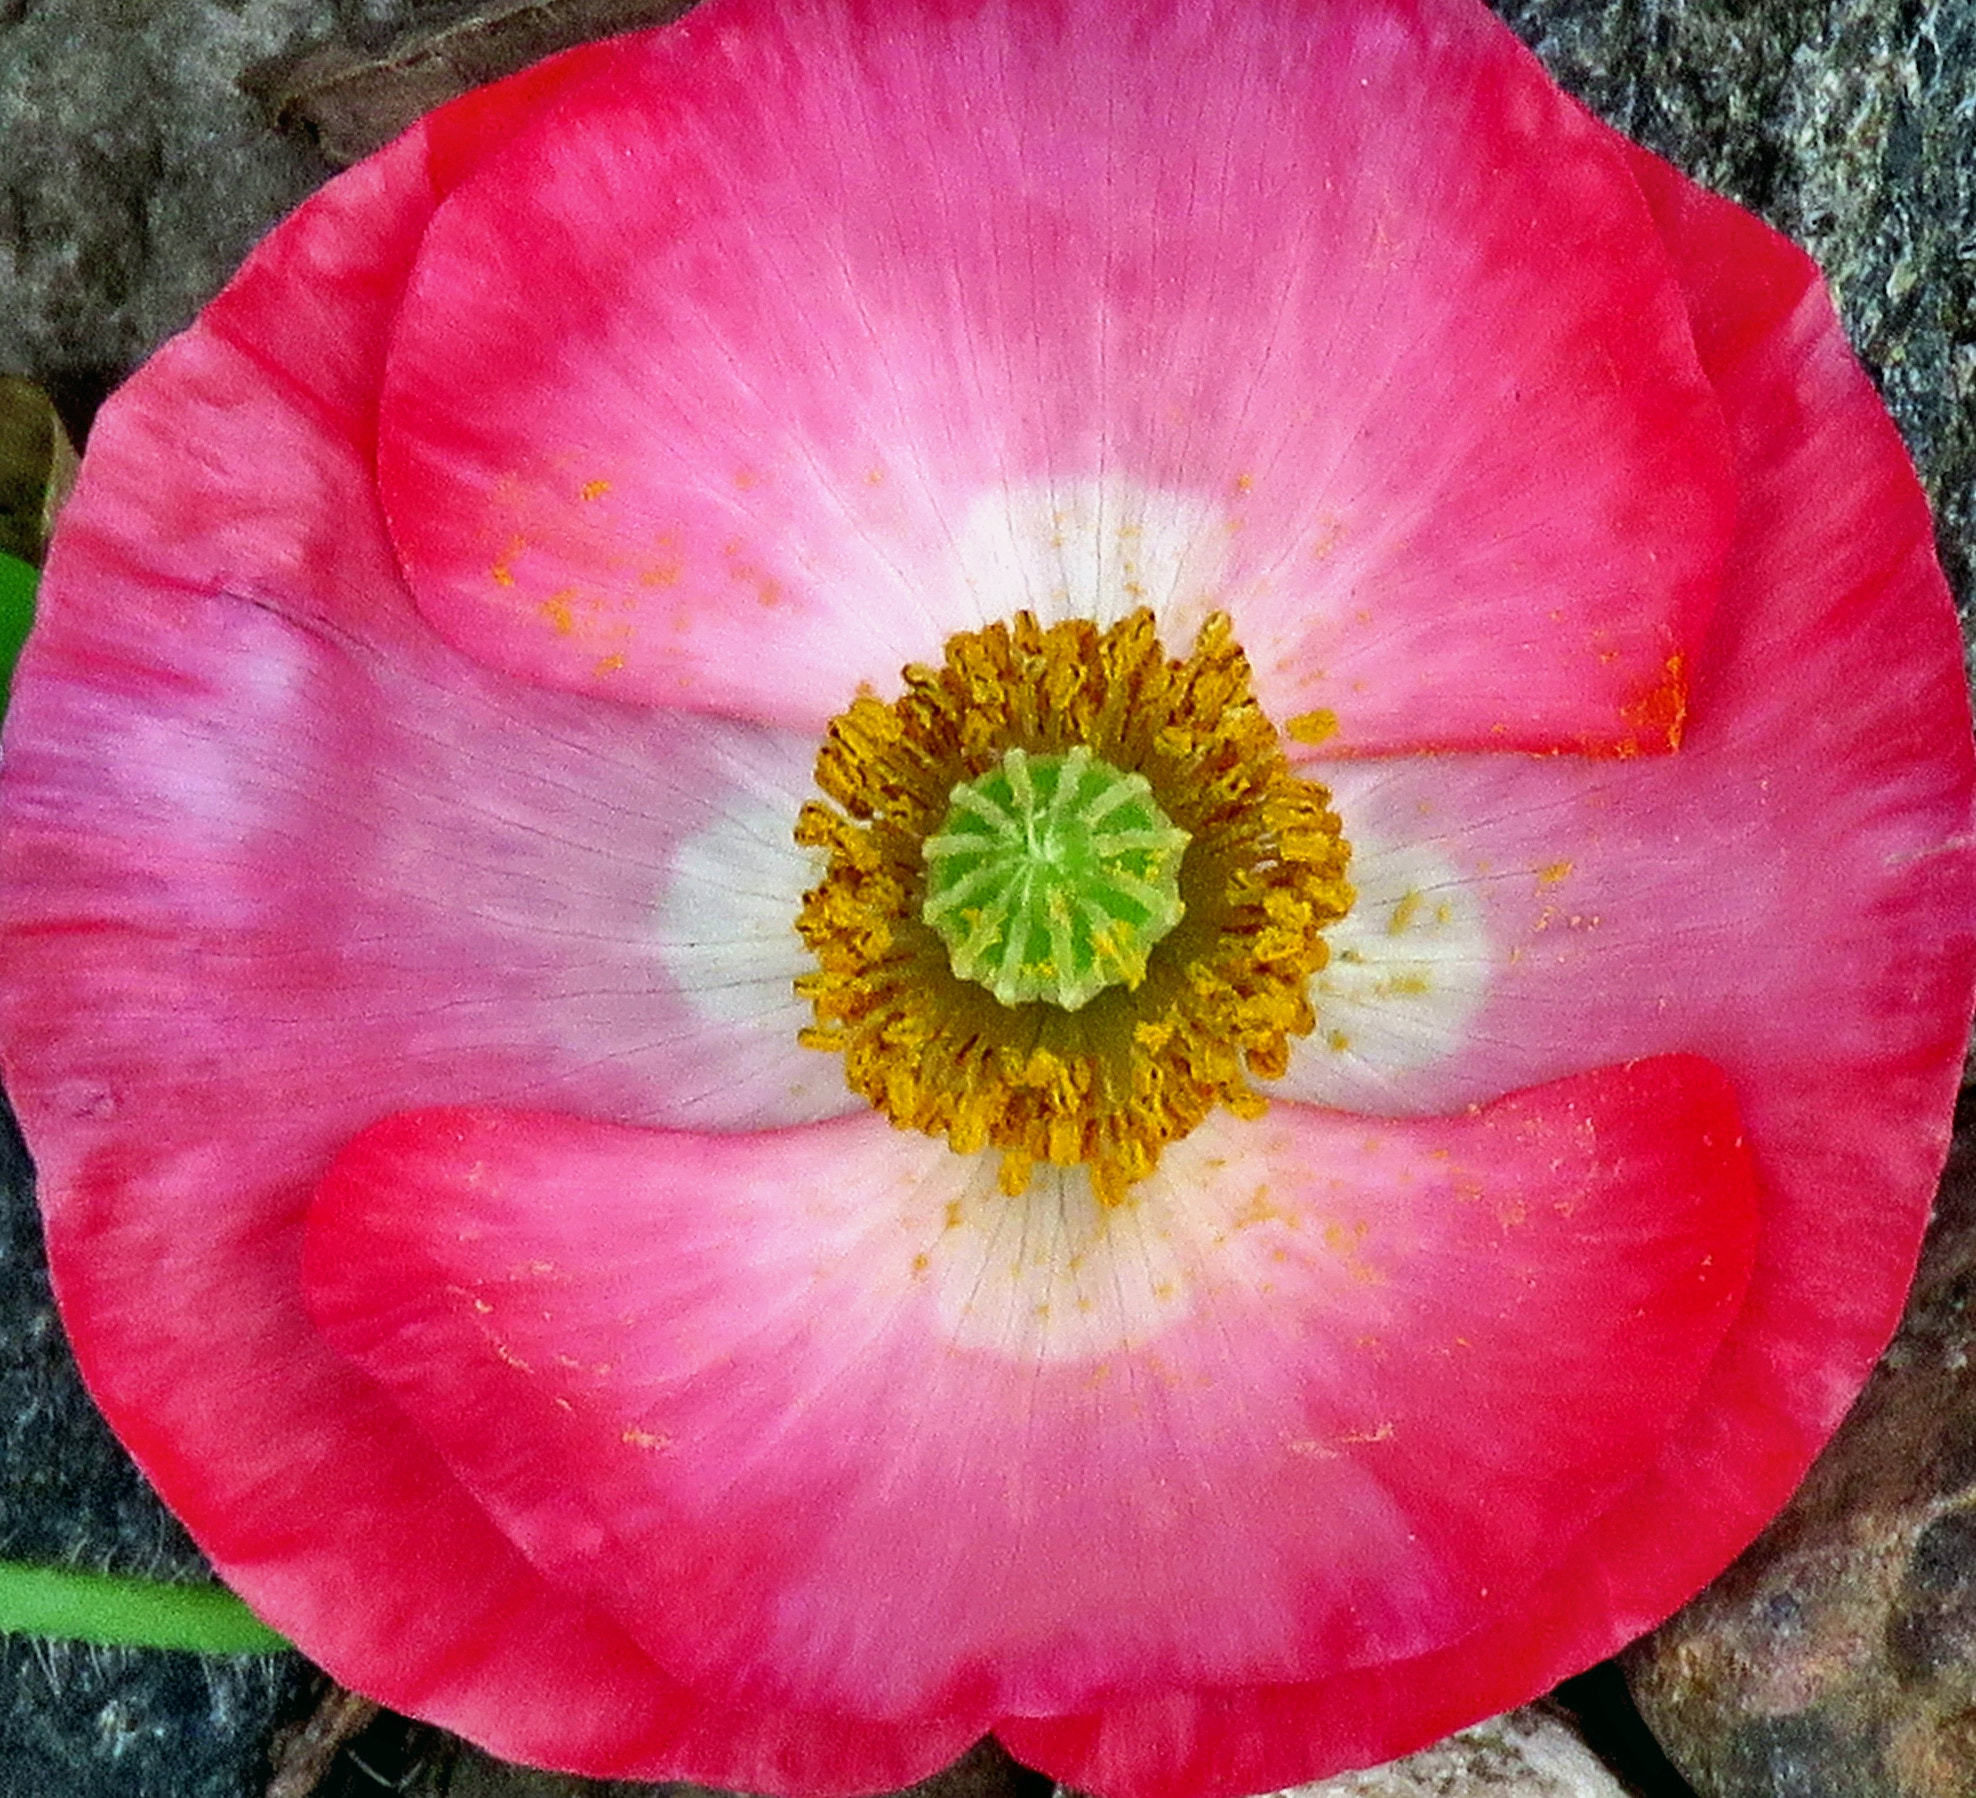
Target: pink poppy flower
point(591, 1150)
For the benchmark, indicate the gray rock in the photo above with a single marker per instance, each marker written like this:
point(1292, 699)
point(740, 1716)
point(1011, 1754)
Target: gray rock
point(1531, 1753)
point(1848, 124)
point(1837, 1658)
point(78, 1721)
point(134, 174)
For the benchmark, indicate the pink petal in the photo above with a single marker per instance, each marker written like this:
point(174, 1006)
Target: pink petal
point(838, 288)
point(249, 793)
point(274, 856)
point(801, 1411)
point(175, 1212)
point(470, 887)
point(1793, 895)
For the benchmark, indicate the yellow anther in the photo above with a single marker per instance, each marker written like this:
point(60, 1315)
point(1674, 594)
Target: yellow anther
point(1108, 1082)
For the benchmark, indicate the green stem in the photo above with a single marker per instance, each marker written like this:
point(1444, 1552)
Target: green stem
point(104, 1607)
point(128, 1613)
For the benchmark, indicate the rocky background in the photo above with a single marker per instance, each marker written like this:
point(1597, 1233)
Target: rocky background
point(146, 144)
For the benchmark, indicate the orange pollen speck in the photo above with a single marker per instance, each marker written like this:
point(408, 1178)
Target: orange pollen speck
point(1109, 1084)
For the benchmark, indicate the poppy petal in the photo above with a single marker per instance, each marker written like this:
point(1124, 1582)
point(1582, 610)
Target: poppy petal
point(1799, 858)
point(468, 885)
point(175, 1197)
point(1845, 1072)
point(1373, 312)
point(826, 1419)
point(187, 1037)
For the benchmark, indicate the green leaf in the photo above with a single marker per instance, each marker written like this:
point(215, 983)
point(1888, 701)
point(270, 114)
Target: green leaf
point(17, 584)
point(37, 466)
point(128, 1613)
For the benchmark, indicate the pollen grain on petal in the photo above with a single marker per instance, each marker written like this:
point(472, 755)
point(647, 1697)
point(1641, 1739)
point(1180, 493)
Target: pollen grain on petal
point(1312, 728)
point(1658, 718)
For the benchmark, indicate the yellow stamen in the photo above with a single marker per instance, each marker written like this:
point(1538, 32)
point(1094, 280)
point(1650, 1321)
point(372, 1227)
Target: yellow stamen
point(1136, 1066)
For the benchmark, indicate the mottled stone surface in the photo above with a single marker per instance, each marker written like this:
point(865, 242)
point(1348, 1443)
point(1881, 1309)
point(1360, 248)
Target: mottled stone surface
point(1848, 124)
point(78, 1721)
point(1531, 1753)
point(134, 172)
point(1837, 1658)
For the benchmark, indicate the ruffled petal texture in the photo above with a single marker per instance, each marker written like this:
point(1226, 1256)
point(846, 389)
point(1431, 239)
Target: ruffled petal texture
point(801, 1411)
point(1697, 900)
point(398, 881)
point(835, 285)
point(274, 861)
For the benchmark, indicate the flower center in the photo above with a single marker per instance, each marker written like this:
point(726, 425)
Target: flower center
point(1053, 877)
point(1073, 895)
